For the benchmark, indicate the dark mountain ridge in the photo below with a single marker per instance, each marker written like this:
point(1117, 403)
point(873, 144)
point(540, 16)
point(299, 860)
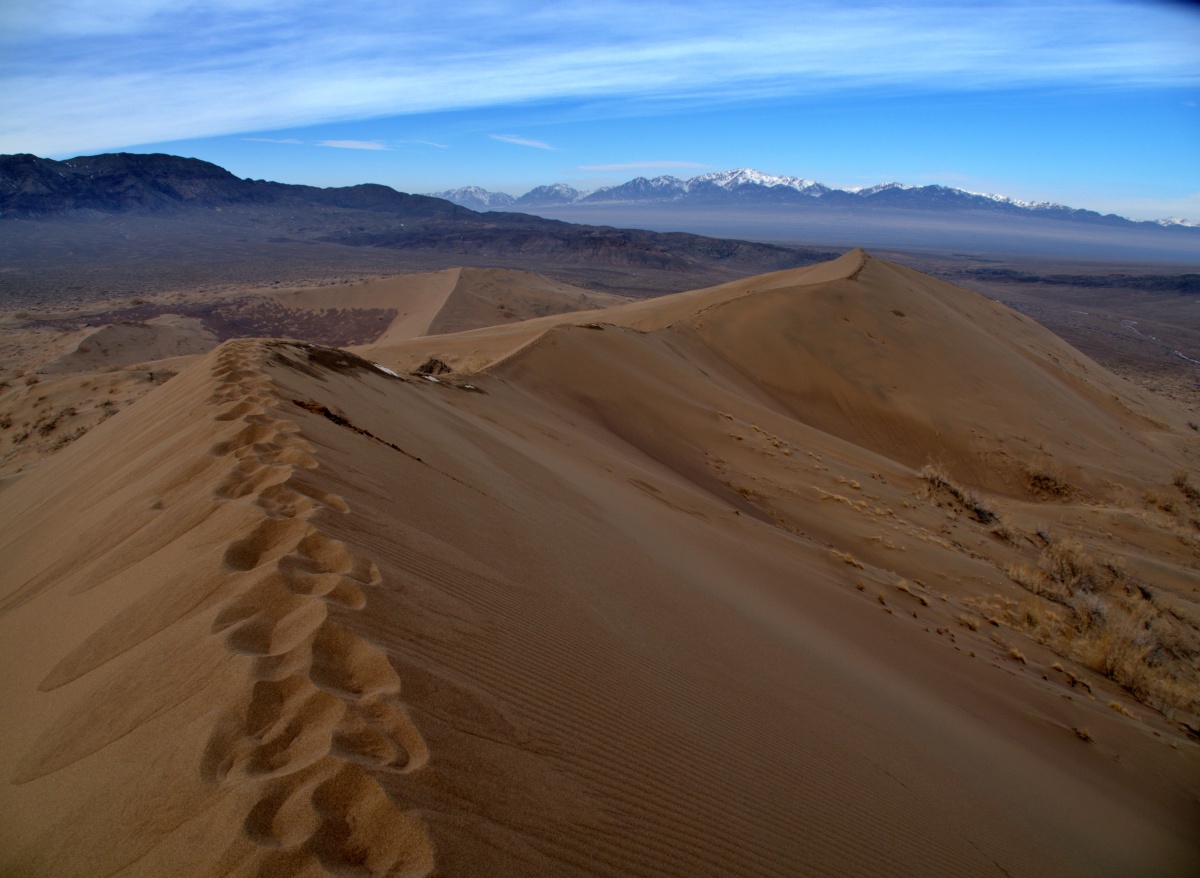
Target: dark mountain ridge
point(33, 187)
point(125, 214)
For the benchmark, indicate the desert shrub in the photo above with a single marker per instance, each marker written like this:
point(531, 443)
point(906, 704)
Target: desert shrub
point(1028, 577)
point(1067, 563)
point(968, 621)
point(1189, 491)
point(979, 508)
point(1004, 532)
point(1160, 501)
point(848, 558)
point(936, 476)
point(1048, 479)
point(1109, 622)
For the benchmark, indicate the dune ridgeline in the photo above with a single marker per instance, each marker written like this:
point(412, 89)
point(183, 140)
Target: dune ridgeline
point(840, 570)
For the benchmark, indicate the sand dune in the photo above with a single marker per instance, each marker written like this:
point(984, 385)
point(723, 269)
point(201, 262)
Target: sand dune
point(93, 373)
point(117, 345)
point(481, 346)
point(452, 300)
point(659, 591)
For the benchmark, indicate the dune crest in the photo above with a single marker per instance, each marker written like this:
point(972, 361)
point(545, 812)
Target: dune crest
point(761, 580)
point(306, 712)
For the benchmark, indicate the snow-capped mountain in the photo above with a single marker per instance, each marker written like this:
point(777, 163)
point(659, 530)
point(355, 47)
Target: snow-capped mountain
point(476, 198)
point(747, 187)
point(557, 193)
point(717, 183)
point(1029, 205)
point(665, 188)
point(743, 184)
point(878, 187)
point(741, 177)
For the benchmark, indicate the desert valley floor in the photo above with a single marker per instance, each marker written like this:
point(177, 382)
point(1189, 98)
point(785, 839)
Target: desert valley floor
point(838, 570)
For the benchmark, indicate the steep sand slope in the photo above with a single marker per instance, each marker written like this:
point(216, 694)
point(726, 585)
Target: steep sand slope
point(886, 358)
point(641, 599)
point(474, 349)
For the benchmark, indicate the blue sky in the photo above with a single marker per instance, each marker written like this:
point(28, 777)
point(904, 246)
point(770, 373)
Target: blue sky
point(1094, 104)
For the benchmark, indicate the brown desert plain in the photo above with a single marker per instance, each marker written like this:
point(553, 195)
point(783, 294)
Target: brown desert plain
point(840, 570)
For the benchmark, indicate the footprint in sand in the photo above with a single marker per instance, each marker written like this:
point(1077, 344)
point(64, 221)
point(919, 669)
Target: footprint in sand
point(323, 710)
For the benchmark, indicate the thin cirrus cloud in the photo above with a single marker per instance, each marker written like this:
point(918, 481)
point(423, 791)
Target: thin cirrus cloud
point(75, 75)
point(521, 141)
point(647, 166)
point(342, 144)
point(352, 144)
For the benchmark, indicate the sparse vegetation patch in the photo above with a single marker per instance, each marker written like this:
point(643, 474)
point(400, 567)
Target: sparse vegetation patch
point(938, 479)
point(1185, 486)
point(1048, 481)
point(1094, 612)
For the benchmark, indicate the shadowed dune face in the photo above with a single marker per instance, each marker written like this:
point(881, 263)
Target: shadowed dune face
point(663, 590)
point(913, 368)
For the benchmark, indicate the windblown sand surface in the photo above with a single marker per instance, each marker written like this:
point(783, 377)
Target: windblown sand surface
point(836, 571)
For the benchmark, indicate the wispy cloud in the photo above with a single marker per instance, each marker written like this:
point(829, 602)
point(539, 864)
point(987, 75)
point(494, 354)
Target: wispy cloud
point(430, 143)
point(521, 141)
point(647, 166)
point(74, 76)
point(352, 144)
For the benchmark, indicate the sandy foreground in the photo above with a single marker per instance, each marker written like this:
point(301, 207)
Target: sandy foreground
point(836, 571)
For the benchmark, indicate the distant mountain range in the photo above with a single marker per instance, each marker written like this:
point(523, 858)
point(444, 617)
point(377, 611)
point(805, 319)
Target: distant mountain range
point(744, 187)
point(731, 221)
point(134, 207)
